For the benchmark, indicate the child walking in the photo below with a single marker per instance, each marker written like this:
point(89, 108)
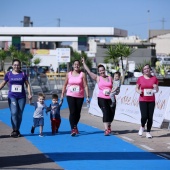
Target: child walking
point(54, 109)
point(116, 88)
point(38, 116)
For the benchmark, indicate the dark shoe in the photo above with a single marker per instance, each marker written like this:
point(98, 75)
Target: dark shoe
point(56, 131)
point(113, 104)
point(18, 133)
point(14, 134)
point(32, 129)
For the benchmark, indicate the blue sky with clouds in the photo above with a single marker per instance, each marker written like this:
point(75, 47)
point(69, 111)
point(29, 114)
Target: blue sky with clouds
point(131, 15)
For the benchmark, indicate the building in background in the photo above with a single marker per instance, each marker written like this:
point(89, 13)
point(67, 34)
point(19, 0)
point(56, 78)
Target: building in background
point(162, 40)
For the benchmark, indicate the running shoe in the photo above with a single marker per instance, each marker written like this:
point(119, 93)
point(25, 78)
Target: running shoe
point(41, 135)
point(14, 134)
point(109, 129)
point(32, 129)
point(77, 131)
point(106, 133)
point(73, 132)
point(18, 133)
point(148, 135)
point(141, 130)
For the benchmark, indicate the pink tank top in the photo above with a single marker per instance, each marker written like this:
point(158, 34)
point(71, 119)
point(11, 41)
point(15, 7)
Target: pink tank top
point(104, 86)
point(75, 87)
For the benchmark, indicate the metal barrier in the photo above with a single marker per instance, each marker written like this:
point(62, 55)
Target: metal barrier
point(46, 84)
point(4, 93)
point(91, 83)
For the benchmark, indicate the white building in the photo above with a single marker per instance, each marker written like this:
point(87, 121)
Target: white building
point(162, 40)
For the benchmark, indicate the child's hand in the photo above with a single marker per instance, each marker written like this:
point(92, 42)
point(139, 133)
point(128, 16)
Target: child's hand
point(82, 60)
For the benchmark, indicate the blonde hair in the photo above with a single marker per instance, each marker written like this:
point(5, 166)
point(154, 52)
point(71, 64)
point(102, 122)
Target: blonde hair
point(41, 95)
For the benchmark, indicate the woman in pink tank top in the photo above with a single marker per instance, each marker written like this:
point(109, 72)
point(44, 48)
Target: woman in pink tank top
point(105, 86)
point(75, 84)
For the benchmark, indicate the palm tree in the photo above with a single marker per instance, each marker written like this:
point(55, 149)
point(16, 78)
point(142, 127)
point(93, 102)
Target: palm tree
point(3, 55)
point(127, 51)
point(119, 51)
point(111, 56)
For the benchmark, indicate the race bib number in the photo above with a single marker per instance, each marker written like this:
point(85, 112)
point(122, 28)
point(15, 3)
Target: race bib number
point(106, 92)
point(16, 88)
point(74, 88)
point(148, 92)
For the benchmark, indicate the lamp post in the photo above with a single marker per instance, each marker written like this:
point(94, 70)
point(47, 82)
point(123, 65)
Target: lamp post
point(148, 22)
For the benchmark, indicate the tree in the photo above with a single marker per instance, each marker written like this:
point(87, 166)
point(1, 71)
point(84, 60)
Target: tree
point(36, 61)
point(77, 56)
point(111, 56)
point(127, 51)
point(3, 55)
point(119, 51)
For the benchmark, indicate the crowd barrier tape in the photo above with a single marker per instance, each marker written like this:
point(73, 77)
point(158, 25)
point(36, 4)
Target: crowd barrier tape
point(127, 107)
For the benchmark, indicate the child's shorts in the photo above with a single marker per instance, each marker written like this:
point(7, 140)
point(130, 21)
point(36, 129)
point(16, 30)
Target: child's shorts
point(38, 122)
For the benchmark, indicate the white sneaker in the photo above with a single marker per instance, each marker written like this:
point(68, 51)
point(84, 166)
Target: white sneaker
point(141, 130)
point(148, 135)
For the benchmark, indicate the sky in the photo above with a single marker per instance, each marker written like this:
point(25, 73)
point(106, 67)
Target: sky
point(135, 16)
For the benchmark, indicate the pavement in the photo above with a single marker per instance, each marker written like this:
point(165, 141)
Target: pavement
point(19, 153)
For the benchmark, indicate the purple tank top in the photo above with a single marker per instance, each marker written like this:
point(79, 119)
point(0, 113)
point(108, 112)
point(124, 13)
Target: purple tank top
point(16, 84)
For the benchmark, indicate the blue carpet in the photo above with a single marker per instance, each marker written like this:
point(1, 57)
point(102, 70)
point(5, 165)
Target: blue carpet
point(90, 150)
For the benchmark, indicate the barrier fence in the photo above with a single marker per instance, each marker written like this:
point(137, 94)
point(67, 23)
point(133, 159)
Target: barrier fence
point(47, 83)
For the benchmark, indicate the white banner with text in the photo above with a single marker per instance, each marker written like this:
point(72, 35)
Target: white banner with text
point(127, 108)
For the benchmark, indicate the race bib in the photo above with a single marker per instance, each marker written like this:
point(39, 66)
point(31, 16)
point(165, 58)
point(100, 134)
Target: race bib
point(148, 92)
point(106, 92)
point(16, 88)
point(74, 88)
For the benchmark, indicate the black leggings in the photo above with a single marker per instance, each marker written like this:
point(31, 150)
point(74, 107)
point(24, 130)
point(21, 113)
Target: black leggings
point(75, 105)
point(147, 110)
point(108, 112)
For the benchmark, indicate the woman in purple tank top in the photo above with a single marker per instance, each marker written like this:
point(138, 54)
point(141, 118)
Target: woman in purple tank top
point(104, 101)
point(16, 96)
point(75, 83)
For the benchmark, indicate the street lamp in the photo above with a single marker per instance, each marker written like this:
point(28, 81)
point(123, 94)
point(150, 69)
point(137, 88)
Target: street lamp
point(148, 22)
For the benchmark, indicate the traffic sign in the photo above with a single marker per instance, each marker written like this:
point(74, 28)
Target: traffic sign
point(63, 55)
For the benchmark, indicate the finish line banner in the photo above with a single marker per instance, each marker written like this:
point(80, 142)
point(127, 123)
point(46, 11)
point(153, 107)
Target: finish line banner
point(127, 108)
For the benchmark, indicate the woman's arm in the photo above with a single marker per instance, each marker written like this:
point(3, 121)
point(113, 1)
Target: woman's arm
point(156, 88)
point(2, 84)
point(138, 90)
point(28, 89)
point(64, 87)
point(92, 75)
point(85, 85)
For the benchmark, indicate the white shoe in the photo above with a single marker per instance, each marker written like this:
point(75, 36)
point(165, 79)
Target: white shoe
point(148, 135)
point(141, 130)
